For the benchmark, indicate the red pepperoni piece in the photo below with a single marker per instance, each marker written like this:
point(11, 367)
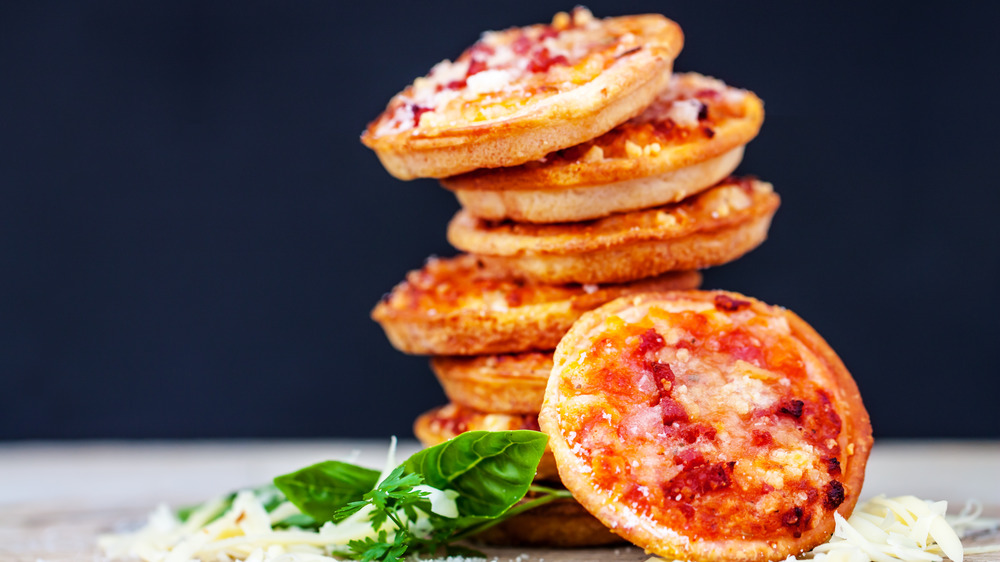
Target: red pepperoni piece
point(700, 479)
point(729, 304)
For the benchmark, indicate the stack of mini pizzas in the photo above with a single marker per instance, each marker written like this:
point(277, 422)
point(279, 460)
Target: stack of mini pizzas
point(587, 171)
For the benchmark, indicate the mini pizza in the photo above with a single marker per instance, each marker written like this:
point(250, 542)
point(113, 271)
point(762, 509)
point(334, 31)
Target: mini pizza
point(713, 227)
point(689, 139)
point(519, 94)
point(506, 384)
point(441, 424)
point(706, 426)
point(564, 523)
point(456, 306)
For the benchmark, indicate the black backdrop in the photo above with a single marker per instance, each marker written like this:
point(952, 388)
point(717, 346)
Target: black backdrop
point(191, 235)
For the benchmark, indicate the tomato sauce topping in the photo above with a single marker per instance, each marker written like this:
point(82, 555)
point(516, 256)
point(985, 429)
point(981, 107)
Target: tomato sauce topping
point(706, 420)
point(447, 284)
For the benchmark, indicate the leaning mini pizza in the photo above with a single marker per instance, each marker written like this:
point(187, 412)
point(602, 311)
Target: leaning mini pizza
point(519, 94)
point(706, 425)
point(691, 137)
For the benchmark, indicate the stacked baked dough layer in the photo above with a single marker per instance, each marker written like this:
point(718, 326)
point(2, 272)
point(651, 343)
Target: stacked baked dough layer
point(586, 171)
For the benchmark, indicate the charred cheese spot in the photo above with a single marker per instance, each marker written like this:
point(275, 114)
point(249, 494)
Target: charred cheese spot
point(834, 495)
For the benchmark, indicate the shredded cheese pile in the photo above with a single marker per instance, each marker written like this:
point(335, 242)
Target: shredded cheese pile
point(880, 530)
point(889, 529)
point(246, 531)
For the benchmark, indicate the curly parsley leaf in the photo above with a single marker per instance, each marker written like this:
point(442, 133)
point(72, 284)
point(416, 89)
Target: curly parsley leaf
point(379, 548)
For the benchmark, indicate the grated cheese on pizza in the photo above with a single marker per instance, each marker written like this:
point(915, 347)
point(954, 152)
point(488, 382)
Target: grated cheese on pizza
point(506, 70)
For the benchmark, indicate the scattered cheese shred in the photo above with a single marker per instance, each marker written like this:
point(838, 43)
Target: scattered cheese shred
point(890, 529)
point(245, 532)
point(904, 528)
point(882, 529)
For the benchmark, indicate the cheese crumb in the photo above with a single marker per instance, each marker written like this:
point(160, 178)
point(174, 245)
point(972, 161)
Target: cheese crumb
point(595, 154)
point(632, 150)
point(561, 21)
point(685, 112)
point(664, 218)
point(488, 81)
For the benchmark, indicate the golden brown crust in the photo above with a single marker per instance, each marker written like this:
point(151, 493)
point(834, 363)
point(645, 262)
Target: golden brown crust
point(441, 424)
point(693, 123)
point(454, 306)
point(563, 523)
point(710, 228)
point(594, 201)
point(609, 71)
point(505, 384)
point(765, 428)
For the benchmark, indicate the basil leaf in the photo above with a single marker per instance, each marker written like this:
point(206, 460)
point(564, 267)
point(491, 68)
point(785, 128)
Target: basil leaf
point(491, 470)
point(323, 488)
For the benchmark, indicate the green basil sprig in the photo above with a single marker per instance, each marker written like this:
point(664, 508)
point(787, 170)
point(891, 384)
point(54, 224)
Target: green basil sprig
point(490, 471)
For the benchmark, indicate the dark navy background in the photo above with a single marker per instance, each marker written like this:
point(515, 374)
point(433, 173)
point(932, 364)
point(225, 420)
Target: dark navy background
point(191, 235)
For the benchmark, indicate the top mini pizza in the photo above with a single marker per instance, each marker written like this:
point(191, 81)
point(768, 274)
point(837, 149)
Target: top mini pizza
point(519, 94)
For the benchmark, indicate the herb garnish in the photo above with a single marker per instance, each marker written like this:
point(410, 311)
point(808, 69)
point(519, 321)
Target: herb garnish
point(440, 495)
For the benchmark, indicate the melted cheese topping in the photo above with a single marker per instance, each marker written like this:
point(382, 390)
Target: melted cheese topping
point(449, 284)
point(448, 421)
point(462, 284)
point(691, 91)
point(508, 70)
point(689, 110)
point(709, 418)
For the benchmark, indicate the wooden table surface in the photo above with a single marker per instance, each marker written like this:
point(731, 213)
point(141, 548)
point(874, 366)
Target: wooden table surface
point(56, 497)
